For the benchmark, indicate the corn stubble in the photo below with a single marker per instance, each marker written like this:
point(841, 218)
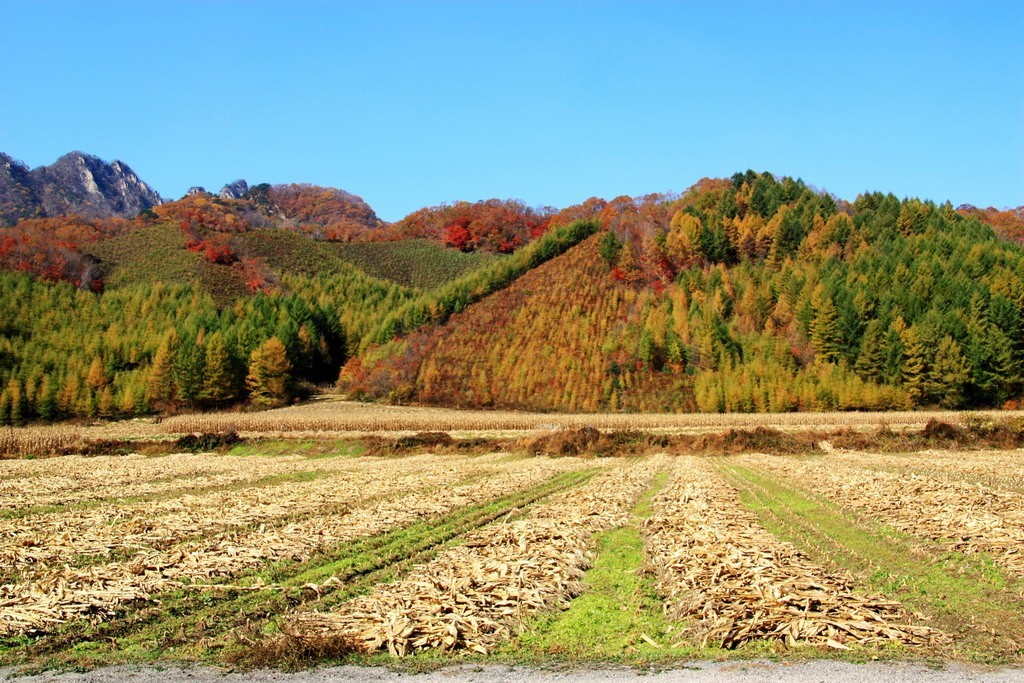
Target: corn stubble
point(474, 596)
point(383, 494)
point(967, 517)
point(332, 416)
point(734, 583)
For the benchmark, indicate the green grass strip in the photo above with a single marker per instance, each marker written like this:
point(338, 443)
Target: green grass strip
point(619, 617)
point(968, 597)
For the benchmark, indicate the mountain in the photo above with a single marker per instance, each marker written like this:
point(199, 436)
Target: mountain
point(77, 183)
point(749, 293)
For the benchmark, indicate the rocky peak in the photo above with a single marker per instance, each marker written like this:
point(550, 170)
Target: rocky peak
point(17, 198)
point(235, 190)
point(77, 183)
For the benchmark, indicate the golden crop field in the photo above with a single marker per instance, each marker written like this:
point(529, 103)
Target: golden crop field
point(290, 551)
point(332, 415)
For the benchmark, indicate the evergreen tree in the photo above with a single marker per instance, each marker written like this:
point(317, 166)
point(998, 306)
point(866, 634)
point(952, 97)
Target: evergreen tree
point(106, 403)
point(48, 399)
point(269, 380)
point(189, 361)
point(871, 359)
point(220, 385)
point(97, 377)
point(610, 246)
point(916, 373)
point(161, 391)
point(950, 374)
point(18, 403)
point(5, 408)
point(825, 333)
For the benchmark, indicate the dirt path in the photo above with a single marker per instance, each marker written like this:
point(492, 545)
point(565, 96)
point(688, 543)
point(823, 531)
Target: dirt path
point(728, 672)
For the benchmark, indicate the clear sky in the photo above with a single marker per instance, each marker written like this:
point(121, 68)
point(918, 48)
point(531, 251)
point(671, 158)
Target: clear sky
point(409, 104)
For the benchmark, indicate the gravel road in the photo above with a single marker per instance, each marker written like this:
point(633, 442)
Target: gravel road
point(729, 672)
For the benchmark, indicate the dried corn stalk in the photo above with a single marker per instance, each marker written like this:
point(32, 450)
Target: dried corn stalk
point(996, 469)
point(48, 593)
point(714, 562)
point(474, 595)
point(970, 518)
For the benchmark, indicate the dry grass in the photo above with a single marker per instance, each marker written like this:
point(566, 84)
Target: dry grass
point(714, 562)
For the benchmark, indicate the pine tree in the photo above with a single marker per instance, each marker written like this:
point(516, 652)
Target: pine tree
point(18, 403)
point(97, 377)
point(161, 391)
point(48, 399)
point(220, 385)
point(825, 333)
point(950, 373)
point(269, 380)
point(106, 403)
point(916, 371)
point(871, 360)
point(189, 361)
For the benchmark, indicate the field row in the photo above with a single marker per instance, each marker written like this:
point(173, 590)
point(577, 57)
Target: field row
point(354, 556)
point(226, 538)
point(966, 517)
point(343, 416)
point(472, 596)
point(715, 563)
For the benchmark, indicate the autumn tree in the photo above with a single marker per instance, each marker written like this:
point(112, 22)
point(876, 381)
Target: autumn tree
point(269, 380)
point(220, 384)
point(161, 391)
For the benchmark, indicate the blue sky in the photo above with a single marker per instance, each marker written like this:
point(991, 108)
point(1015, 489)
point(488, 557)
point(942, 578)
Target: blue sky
point(411, 104)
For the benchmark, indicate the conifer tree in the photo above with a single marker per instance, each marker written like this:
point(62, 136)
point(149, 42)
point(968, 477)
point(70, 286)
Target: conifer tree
point(47, 407)
point(106, 403)
point(161, 391)
point(18, 403)
point(871, 359)
point(97, 377)
point(825, 333)
point(269, 380)
point(950, 374)
point(220, 385)
point(916, 373)
point(189, 361)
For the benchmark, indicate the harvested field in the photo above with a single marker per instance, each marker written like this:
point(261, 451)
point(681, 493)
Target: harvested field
point(383, 494)
point(970, 518)
point(996, 469)
point(76, 479)
point(269, 557)
point(473, 596)
point(719, 570)
point(334, 416)
point(152, 524)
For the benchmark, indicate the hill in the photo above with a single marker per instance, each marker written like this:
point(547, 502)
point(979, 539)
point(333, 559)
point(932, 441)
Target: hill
point(752, 293)
point(749, 294)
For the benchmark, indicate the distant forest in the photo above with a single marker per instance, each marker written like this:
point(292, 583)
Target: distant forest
point(754, 293)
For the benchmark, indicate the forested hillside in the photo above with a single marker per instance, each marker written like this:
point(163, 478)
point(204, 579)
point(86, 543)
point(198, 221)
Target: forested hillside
point(753, 293)
point(749, 294)
point(172, 329)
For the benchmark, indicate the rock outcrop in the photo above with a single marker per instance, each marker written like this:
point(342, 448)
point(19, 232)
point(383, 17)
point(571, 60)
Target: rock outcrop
point(235, 190)
point(77, 183)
